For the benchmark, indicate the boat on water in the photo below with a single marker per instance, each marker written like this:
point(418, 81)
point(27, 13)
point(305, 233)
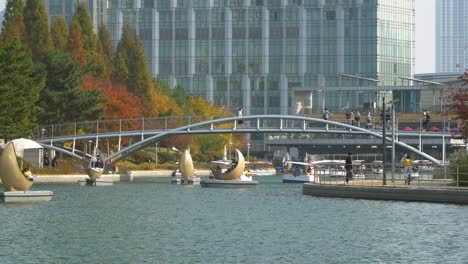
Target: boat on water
point(231, 177)
point(377, 167)
point(311, 171)
point(95, 168)
point(16, 183)
point(300, 172)
point(260, 168)
point(186, 174)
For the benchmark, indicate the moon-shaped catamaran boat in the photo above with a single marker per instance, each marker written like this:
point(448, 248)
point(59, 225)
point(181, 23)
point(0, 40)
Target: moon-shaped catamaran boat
point(232, 177)
point(187, 170)
point(16, 184)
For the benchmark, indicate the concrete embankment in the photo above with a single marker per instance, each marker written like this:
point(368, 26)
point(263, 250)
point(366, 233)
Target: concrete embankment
point(410, 194)
point(130, 176)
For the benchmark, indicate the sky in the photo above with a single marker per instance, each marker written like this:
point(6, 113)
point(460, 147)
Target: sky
point(425, 35)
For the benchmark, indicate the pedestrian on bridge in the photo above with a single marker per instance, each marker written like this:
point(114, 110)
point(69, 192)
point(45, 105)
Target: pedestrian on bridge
point(325, 115)
point(240, 123)
point(357, 118)
point(368, 120)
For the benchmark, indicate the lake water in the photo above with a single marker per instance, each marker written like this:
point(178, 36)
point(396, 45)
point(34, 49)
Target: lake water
point(153, 221)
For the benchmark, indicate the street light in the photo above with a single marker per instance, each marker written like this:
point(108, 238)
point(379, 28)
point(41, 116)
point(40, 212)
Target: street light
point(156, 153)
point(248, 150)
point(90, 143)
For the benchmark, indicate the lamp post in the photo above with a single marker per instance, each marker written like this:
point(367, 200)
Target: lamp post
point(90, 144)
point(156, 153)
point(248, 150)
point(230, 145)
point(384, 144)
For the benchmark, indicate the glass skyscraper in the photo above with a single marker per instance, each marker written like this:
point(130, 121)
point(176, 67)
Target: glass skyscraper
point(451, 35)
point(274, 56)
point(66, 9)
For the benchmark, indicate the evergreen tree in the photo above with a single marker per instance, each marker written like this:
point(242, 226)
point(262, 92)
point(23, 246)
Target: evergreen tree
point(107, 48)
point(61, 98)
point(20, 85)
point(140, 81)
point(123, 55)
point(75, 45)
point(37, 28)
point(59, 33)
point(91, 45)
point(13, 25)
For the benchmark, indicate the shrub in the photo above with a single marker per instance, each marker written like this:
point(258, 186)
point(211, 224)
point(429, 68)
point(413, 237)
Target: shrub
point(459, 166)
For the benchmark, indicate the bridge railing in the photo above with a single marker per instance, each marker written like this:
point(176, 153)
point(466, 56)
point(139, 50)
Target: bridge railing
point(422, 176)
point(118, 125)
point(166, 123)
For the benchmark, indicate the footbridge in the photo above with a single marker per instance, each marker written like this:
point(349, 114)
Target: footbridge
point(251, 124)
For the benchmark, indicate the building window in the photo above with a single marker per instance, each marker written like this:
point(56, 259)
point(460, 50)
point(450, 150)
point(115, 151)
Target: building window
point(331, 15)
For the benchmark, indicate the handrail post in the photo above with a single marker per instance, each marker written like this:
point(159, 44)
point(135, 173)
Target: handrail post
point(142, 128)
point(258, 123)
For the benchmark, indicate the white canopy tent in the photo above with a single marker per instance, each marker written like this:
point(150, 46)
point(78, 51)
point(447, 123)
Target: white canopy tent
point(29, 150)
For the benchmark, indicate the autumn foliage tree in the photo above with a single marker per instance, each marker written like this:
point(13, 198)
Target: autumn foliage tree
point(13, 24)
point(459, 104)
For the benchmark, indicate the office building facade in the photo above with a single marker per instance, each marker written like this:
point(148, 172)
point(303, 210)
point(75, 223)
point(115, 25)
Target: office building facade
point(66, 9)
point(451, 35)
point(274, 56)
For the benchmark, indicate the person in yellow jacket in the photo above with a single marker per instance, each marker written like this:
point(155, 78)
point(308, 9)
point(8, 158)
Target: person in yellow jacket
point(408, 166)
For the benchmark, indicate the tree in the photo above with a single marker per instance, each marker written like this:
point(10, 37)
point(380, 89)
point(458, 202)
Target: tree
point(59, 33)
point(20, 84)
point(120, 103)
point(91, 45)
point(122, 56)
point(37, 28)
point(13, 25)
point(75, 45)
point(140, 81)
point(107, 48)
point(158, 104)
point(62, 99)
point(458, 101)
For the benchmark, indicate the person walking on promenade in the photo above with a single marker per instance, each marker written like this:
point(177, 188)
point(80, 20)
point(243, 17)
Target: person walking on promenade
point(348, 117)
point(357, 118)
point(349, 167)
point(408, 169)
point(325, 115)
point(426, 120)
point(368, 120)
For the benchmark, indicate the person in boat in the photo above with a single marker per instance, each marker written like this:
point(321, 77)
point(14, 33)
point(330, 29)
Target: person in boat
point(218, 169)
point(99, 163)
point(27, 173)
point(309, 170)
point(248, 173)
point(92, 162)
